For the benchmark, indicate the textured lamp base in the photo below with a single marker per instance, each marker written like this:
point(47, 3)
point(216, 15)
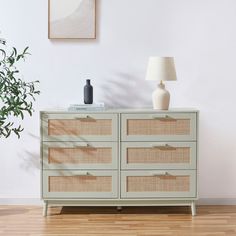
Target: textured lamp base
point(161, 98)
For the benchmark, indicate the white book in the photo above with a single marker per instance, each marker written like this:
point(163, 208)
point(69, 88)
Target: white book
point(101, 104)
point(86, 107)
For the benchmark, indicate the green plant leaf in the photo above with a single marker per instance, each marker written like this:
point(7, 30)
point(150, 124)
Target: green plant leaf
point(25, 50)
point(15, 51)
point(16, 95)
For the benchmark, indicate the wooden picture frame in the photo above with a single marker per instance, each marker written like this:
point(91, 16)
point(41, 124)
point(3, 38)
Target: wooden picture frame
point(72, 19)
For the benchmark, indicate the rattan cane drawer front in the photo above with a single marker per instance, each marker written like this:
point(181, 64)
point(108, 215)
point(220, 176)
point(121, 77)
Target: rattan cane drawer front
point(158, 184)
point(80, 155)
point(158, 155)
point(80, 184)
point(80, 127)
point(159, 127)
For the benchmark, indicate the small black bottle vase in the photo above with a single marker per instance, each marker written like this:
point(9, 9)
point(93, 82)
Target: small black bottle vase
point(88, 93)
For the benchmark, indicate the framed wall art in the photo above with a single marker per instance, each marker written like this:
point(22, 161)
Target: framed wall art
point(71, 19)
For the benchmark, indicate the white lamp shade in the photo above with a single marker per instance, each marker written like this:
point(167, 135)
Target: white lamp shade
point(161, 68)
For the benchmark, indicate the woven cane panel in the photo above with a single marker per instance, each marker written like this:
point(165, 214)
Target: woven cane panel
point(154, 155)
point(158, 127)
point(80, 127)
point(80, 155)
point(80, 184)
point(158, 183)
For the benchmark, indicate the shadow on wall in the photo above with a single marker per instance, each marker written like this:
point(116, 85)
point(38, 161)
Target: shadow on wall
point(30, 160)
point(126, 91)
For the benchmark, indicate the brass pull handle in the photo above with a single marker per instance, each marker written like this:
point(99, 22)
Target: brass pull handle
point(82, 117)
point(83, 174)
point(160, 173)
point(164, 147)
point(164, 118)
point(82, 146)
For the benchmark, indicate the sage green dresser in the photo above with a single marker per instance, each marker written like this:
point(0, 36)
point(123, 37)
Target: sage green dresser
point(125, 157)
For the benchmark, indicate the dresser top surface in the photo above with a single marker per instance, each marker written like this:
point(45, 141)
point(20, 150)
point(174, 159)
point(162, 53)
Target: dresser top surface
point(123, 110)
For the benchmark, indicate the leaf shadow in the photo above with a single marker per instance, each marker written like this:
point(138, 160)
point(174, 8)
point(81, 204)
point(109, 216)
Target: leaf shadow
point(31, 159)
point(126, 90)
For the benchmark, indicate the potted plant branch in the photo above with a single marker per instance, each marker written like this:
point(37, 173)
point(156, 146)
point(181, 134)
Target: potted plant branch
point(16, 95)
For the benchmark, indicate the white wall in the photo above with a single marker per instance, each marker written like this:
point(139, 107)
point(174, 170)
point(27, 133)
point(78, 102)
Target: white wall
point(199, 33)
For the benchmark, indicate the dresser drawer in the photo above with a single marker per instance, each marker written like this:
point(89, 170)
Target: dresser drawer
point(80, 127)
point(159, 127)
point(158, 184)
point(79, 184)
point(158, 155)
point(80, 155)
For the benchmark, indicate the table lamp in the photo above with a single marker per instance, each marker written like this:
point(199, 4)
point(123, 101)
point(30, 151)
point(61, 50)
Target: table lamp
point(161, 69)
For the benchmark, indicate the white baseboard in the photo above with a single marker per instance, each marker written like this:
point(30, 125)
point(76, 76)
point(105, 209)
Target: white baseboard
point(216, 201)
point(20, 201)
point(37, 201)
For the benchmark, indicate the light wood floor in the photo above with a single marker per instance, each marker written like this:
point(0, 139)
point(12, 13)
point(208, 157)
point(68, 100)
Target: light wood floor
point(131, 221)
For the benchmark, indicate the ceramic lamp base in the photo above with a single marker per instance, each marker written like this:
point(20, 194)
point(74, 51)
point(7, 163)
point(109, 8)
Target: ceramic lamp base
point(161, 98)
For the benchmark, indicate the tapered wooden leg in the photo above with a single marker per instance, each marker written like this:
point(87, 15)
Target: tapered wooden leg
point(119, 208)
point(45, 208)
point(193, 208)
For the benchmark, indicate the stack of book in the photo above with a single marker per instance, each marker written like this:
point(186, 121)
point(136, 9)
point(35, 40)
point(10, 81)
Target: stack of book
point(87, 107)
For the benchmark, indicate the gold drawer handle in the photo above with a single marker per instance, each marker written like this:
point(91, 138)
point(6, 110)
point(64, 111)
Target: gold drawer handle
point(164, 118)
point(164, 147)
point(160, 173)
point(83, 174)
point(82, 117)
point(82, 146)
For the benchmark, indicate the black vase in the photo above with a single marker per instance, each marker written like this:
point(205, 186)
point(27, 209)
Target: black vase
point(88, 93)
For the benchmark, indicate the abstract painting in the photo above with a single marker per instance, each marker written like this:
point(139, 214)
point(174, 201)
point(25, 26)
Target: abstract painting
point(72, 19)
